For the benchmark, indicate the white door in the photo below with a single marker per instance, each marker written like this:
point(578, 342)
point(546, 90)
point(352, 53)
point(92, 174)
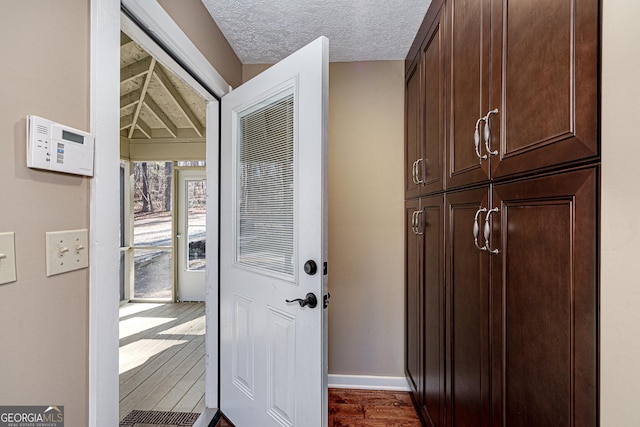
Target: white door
point(273, 353)
point(192, 228)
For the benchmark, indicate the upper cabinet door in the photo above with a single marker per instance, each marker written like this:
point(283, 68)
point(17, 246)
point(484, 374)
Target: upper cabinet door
point(413, 135)
point(468, 59)
point(432, 62)
point(544, 84)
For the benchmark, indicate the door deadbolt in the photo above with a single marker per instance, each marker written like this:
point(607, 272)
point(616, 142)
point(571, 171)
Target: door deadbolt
point(310, 267)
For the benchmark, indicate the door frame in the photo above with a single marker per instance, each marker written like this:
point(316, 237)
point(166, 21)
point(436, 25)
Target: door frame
point(105, 26)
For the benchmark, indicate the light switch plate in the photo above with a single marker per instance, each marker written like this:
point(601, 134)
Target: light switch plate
point(67, 251)
point(7, 258)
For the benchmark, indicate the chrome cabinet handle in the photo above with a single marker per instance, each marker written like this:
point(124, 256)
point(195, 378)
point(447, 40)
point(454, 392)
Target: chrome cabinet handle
point(476, 139)
point(413, 222)
point(476, 230)
point(418, 170)
point(418, 221)
point(487, 132)
point(415, 225)
point(487, 231)
point(414, 171)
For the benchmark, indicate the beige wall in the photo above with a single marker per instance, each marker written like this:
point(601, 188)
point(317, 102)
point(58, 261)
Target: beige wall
point(194, 19)
point(620, 275)
point(366, 218)
point(366, 202)
point(43, 321)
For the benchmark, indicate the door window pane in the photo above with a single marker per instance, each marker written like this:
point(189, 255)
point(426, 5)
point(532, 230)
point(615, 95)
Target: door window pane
point(152, 223)
point(196, 223)
point(153, 270)
point(264, 215)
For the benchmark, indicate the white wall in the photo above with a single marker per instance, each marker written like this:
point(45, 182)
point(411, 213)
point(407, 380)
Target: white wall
point(620, 246)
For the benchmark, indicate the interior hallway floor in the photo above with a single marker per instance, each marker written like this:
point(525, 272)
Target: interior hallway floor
point(366, 408)
point(162, 357)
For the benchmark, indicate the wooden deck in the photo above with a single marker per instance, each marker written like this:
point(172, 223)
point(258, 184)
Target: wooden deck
point(162, 357)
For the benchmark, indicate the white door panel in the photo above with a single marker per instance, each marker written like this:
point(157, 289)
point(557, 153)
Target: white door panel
point(273, 353)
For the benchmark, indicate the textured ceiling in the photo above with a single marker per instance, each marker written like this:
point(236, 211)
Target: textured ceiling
point(265, 31)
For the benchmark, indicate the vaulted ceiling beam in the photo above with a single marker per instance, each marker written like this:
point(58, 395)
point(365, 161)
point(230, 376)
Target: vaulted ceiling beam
point(129, 99)
point(135, 70)
point(160, 115)
point(179, 100)
point(126, 121)
point(143, 93)
point(143, 127)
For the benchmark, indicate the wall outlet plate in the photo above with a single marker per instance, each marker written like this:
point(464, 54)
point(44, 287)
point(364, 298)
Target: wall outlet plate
point(7, 258)
point(67, 251)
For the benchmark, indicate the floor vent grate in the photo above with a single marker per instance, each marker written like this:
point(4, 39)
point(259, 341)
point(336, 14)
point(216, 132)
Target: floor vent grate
point(159, 419)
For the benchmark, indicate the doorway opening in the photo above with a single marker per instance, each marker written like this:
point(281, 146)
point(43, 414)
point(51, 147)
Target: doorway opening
point(162, 231)
point(155, 31)
point(162, 320)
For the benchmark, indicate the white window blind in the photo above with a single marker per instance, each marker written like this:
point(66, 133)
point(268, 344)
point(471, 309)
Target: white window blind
point(265, 220)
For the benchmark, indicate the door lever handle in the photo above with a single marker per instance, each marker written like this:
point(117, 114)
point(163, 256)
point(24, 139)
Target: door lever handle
point(310, 301)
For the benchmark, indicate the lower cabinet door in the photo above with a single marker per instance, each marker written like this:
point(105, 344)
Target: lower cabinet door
point(545, 301)
point(414, 359)
point(432, 228)
point(467, 310)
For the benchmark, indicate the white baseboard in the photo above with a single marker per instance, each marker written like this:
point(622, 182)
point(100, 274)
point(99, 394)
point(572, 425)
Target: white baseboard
point(368, 382)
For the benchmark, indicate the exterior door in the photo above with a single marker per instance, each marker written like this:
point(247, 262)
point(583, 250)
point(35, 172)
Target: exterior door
point(191, 239)
point(273, 325)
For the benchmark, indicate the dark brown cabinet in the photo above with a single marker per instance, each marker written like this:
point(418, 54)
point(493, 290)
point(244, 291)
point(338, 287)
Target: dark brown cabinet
point(424, 106)
point(502, 278)
point(522, 87)
point(414, 323)
point(432, 229)
point(412, 132)
point(468, 59)
point(468, 309)
point(544, 300)
point(425, 299)
point(522, 302)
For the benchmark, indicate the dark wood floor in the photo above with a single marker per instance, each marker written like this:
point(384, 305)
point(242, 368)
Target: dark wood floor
point(367, 408)
point(371, 408)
